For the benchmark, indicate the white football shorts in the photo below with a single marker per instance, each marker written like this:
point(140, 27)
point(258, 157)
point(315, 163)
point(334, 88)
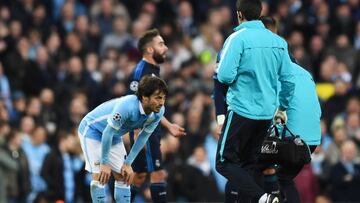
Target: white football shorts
point(92, 152)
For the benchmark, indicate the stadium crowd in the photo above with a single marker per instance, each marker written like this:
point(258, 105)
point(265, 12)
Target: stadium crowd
point(61, 58)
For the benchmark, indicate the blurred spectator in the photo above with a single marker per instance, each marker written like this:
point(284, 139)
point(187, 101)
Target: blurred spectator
point(53, 43)
point(66, 22)
point(345, 175)
point(107, 80)
point(16, 63)
point(27, 126)
point(119, 38)
point(15, 34)
point(39, 21)
point(34, 37)
point(18, 181)
point(104, 12)
point(178, 54)
point(7, 165)
point(82, 27)
point(33, 109)
point(316, 49)
point(58, 4)
point(73, 46)
point(76, 80)
point(343, 51)
point(92, 66)
point(185, 19)
point(332, 154)
point(204, 188)
point(40, 74)
point(49, 111)
point(336, 103)
point(35, 149)
point(353, 124)
point(343, 21)
point(77, 110)
point(59, 170)
point(5, 92)
point(22, 10)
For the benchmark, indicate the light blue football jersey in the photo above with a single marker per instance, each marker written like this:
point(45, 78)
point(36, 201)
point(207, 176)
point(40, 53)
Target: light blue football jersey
point(123, 114)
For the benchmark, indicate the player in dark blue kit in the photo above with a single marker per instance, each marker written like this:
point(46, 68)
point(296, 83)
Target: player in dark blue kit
point(153, 49)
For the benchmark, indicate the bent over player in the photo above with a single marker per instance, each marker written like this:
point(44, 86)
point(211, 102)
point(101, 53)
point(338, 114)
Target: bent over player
point(153, 50)
point(101, 132)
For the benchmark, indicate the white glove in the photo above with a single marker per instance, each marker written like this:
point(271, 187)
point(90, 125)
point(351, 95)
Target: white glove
point(280, 115)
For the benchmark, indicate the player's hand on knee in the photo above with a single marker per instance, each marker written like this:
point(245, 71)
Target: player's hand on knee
point(105, 172)
point(127, 173)
point(176, 130)
point(280, 116)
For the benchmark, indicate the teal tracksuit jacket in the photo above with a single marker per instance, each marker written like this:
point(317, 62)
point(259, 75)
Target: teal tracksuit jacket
point(304, 110)
point(253, 60)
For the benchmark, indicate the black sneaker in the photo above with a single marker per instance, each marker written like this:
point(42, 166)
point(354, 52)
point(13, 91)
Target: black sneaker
point(272, 199)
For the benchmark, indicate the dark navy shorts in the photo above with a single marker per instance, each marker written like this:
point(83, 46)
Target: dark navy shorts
point(149, 158)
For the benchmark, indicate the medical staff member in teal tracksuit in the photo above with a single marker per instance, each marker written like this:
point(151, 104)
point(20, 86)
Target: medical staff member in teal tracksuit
point(252, 61)
point(303, 119)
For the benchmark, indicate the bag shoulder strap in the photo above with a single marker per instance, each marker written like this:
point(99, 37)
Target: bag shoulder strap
point(286, 129)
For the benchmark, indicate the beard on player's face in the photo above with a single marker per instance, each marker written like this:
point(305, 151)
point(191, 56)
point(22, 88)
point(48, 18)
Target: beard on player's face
point(159, 58)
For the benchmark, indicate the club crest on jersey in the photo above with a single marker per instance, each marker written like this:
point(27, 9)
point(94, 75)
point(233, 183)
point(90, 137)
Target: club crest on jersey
point(134, 86)
point(116, 117)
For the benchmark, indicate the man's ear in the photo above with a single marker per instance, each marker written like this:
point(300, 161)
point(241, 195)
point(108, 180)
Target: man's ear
point(240, 16)
point(149, 49)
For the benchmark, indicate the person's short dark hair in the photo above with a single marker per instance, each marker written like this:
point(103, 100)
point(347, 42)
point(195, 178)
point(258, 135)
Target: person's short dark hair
point(146, 38)
point(149, 84)
point(268, 21)
point(250, 9)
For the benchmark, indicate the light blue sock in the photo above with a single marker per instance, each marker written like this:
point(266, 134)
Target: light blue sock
point(122, 192)
point(97, 192)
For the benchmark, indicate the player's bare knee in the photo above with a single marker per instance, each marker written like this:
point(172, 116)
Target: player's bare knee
point(158, 176)
point(139, 179)
point(269, 171)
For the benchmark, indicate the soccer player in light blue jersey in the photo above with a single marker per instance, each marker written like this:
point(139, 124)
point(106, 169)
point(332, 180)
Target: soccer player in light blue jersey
point(101, 132)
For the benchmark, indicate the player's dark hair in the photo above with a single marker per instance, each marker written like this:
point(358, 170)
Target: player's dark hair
point(250, 9)
point(268, 21)
point(146, 38)
point(149, 85)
